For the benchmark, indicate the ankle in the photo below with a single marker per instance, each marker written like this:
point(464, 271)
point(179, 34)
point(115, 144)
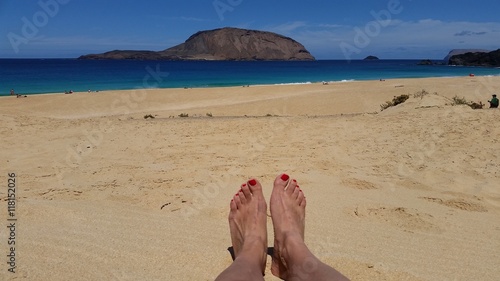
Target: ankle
point(254, 244)
point(292, 246)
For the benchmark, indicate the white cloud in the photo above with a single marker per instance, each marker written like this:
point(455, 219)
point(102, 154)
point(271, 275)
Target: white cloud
point(288, 27)
point(470, 33)
point(187, 19)
point(429, 22)
point(331, 25)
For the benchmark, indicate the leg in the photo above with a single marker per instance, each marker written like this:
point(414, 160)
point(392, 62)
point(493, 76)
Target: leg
point(292, 259)
point(247, 224)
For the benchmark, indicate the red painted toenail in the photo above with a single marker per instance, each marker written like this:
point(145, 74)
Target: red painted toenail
point(294, 180)
point(244, 184)
point(252, 182)
point(284, 177)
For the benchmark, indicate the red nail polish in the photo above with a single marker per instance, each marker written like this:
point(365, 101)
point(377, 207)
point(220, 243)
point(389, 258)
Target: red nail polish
point(244, 184)
point(294, 180)
point(252, 182)
point(284, 177)
point(237, 194)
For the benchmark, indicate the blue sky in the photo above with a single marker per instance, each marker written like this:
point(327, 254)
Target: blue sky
point(336, 29)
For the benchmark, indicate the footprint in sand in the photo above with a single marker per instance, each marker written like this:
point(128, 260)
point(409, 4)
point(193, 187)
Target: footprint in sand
point(65, 193)
point(358, 184)
point(407, 219)
point(458, 203)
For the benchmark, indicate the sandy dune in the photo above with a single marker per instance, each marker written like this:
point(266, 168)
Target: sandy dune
point(409, 193)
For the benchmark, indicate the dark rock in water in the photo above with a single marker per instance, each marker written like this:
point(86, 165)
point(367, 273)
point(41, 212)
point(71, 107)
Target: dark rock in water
point(491, 59)
point(222, 44)
point(124, 55)
point(455, 52)
point(425, 62)
point(371, 58)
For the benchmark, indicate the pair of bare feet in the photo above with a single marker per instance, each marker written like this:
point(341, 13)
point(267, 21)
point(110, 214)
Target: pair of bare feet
point(292, 260)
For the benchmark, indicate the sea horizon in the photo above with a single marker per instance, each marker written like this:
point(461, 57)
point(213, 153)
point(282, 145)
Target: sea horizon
point(60, 75)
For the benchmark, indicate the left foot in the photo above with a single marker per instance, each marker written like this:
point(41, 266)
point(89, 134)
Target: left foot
point(248, 223)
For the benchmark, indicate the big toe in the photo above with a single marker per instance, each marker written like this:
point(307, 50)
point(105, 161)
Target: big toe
point(280, 183)
point(255, 187)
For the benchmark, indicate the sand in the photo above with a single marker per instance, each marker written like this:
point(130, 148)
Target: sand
point(409, 193)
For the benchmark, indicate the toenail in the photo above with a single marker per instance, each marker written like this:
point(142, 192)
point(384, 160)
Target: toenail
point(252, 182)
point(294, 180)
point(244, 184)
point(284, 177)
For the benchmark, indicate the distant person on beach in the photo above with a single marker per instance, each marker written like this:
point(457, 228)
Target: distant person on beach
point(292, 259)
point(493, 102)
point(12, 93)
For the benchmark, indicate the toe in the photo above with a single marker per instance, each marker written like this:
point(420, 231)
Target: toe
point(300, 197)
point(233, 206)
point(243, 199)
point(245, 189)
point(237, 200)
point(281, 182)
point(255, 187)
point(296, 192)
point(303, 203)
point(291, 188)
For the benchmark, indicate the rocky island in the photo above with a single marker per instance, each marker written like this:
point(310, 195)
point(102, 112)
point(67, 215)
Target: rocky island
point(487, 59)
point(455, 52)
point(231, 44)
point(426, 62)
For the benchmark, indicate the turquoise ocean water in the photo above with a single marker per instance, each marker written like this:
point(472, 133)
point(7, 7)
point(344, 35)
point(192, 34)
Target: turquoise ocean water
point(37, 76)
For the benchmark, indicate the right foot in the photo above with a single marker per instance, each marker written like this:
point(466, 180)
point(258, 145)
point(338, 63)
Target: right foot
point(247, 223)
point(288, 210)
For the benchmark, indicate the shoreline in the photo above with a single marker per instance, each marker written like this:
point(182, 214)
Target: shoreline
point(256, 85)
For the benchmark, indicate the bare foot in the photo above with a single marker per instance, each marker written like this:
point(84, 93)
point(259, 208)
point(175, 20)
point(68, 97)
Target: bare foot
point(288, 211)
point(247, 223)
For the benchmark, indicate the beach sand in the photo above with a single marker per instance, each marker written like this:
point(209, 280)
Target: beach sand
point(409, 193)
